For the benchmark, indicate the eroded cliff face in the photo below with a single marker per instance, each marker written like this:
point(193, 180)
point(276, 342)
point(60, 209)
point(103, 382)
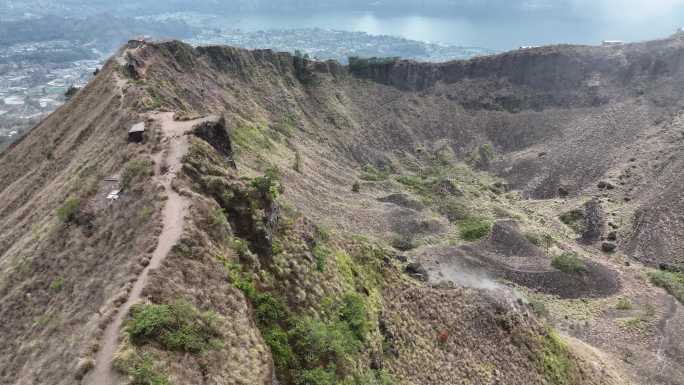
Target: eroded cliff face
point(562, 120)
point(315, 192)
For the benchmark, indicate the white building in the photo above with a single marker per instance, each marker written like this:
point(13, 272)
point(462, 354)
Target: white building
point(608, 43)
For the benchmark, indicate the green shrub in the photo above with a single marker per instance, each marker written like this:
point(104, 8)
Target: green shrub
point(455, 211)
point(281, 351)
point(215, 185)
point(623, 304)
point(136, 168)
point(240, 246)
point(321, 233)
point(321, 254)
point(218, 224)
point(57, 284)
point(177, 326)
point(411, 181)
point(637, 324)
point(538, 307)
point(321, 349)
point(241, 282)
point(354, 313)
point(268, 185)
point(372, 174)
point(486, 151)
point(319, 342)
point(268, 310)
point(287, 126)
point(297, 166)
point(569, 263)
point(356, 187)
point(276, 247)
point(403, 243)
point(540, 239)
point(146, 213)
point(357, 64)
point(252, 136)
point(474, 228)
point(317, 376)
point(70, 210)
point(574, 219)
point(557, 363)
point(140, 368)
point(481, 156)
point(671, 281)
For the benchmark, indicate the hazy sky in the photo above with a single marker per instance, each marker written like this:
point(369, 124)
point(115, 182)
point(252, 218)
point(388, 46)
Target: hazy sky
point(628, 9)
point(498, 24)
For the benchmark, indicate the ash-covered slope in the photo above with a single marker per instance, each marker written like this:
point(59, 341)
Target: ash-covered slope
point(297, 197)
point(564, 119)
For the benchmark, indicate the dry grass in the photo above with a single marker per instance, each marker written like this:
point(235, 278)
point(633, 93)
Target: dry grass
point(344, 129)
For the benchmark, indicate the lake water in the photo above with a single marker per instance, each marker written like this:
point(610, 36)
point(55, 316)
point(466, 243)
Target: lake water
point(499, 32)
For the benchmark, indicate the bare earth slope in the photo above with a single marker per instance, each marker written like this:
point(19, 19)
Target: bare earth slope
point(302, 222)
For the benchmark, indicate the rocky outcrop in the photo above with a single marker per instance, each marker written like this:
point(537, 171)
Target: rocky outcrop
point(417, 271)
point(594, 222)
point(507, 240)
point(216, 134)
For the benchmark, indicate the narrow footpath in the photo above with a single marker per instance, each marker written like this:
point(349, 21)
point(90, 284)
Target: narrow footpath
point(175, 146)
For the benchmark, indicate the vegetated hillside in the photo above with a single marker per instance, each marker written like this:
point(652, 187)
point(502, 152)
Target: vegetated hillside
point(389, 222)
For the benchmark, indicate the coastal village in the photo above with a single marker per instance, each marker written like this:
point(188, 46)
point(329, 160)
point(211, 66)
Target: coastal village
point(34, 87)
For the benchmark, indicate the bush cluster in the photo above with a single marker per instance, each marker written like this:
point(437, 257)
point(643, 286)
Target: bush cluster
point(623, 304)
point(482, 156)
point(372, 174)
point(574, 219)
point(473, 229)
point(268, 185)
point(557, 363)
point(569, 262)
point(70, 210)
point(310, 350)
point(357, 64)
point(140, 368)
point(671, 281)
point(540, 239)
point(134, 169)
point(177, 326)
point(320, 254)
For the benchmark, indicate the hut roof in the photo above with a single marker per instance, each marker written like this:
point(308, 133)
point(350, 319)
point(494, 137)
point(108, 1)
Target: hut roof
point(138, 127)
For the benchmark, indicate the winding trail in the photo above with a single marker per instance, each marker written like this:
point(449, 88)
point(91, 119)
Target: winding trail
point(175, 146)
point(663, 328)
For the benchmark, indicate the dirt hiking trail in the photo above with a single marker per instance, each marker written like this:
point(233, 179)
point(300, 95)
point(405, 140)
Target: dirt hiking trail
point(175, 145)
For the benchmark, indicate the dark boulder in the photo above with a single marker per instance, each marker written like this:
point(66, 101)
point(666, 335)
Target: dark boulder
point(417, 271)
point(500, 188)
point(447, 187)
point(605, 185)
point(593, 222)
point(403, 200)
point(507, 240)
point(376, 361)
point(671, 268)
point(216, 134)
point(608, 247)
